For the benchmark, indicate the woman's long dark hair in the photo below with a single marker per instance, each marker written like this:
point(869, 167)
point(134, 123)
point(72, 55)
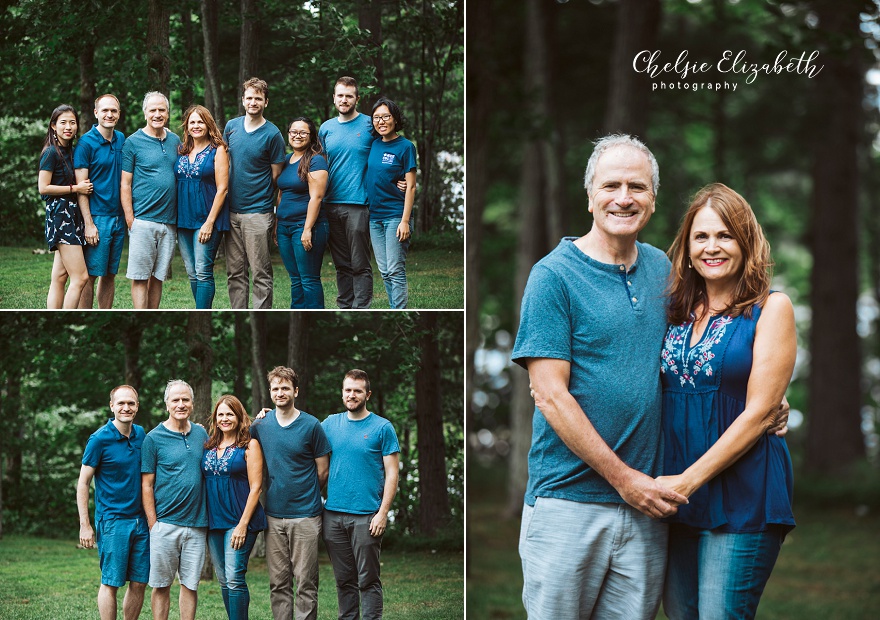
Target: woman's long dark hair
point(314, 147)
point(51, 140)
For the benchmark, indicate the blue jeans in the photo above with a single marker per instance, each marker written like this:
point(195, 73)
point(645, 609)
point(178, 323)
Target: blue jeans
point(715, 575)
point(198, 258)
point(230, 566)
point(391, 259)
point(303, 267)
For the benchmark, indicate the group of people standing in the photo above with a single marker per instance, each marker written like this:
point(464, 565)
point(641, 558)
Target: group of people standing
point(350, 184)
point(162, 498)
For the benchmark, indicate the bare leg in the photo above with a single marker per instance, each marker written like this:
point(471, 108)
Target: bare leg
point(106, 291)
point(160, 599)
point(139, 295)
point(75, 264)
point(154, 294)
point(188, 601)
point(87, 299)
point(107, 602)
point(56, 284)
point(134, 600)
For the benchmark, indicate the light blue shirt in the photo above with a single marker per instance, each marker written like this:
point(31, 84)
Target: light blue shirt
point(347, 146)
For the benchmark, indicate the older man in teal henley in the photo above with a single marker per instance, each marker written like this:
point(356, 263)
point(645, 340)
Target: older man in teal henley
point(592, 324)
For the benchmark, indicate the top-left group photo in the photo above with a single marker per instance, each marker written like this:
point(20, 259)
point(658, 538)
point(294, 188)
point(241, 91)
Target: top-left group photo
point(261, 155)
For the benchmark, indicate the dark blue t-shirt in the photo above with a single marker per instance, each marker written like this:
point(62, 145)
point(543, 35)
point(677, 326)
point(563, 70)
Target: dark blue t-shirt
point(103, 159)
point(294, 203)
point(117, 463)
point(251, 156)
point(289, 452)
point(388, 163)
point(61, 169)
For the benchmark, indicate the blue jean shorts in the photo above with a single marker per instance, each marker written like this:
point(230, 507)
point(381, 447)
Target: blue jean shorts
point(150, 250)
point(123, 551)
point(103, 259)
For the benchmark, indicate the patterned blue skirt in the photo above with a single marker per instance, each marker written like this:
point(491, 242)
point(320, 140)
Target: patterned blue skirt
point(64, 223)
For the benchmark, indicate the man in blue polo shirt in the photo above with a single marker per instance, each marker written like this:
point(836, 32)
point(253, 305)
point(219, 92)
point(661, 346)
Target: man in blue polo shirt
point(175, 504)
point(149, 200)
point(297, 457)
point(113, 458)
point(256, 153)
point(364, 470)
point(98, 157)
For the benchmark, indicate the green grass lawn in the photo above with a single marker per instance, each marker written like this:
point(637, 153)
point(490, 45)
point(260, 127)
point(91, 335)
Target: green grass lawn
point(829, 567)
point(435, 273)
point(43, 579)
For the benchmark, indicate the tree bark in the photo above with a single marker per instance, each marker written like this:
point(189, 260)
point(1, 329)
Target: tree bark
point(834, 437)
point(249, 50)
point(259, 388)
point(210, 36)
point(370, 18)
point(430, 442)
point(187, 97)
point(297, 351)
point(87, 92)
point(201, 364)
point(159, 45)
point(241, 353)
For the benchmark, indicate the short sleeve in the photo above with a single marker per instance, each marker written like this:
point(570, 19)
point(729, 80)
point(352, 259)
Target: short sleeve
point(277, 153)
point(409, 158)
point(320, 441)
point(322, 137)
point(47, 160)
point(148, 456)
point(318, 163)
point(390, 444)
point(128, 156)
point(92, 453)
point(545, 318)
point(82, 154)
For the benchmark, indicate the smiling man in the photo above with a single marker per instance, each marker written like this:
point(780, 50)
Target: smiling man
point(149, 200)
point(98, 157)
point(256, 152)
point(174, 503)
point(113, 458)
point(592, 325)
point(297, 457)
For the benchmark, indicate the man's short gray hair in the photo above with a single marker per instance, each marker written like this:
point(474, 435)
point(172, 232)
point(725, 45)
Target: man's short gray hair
point(620, 139)
point(174, 382)
point(155, 93)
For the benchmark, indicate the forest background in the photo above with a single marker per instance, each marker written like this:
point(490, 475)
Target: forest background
point(553, 76)
point(201, 51)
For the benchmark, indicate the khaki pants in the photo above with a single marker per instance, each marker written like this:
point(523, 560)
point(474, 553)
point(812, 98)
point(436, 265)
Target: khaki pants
point(247, 249)
point(292, 555)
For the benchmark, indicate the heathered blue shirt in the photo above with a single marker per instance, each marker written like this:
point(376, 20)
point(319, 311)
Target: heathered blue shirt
point(609, 324)
point(289, 452)
point(176, 459)
point(388, 163)
point(103, 159)
point(357, 472)
point(117, 463)
point(251, 156)
point(153, 185)
point(347, 146)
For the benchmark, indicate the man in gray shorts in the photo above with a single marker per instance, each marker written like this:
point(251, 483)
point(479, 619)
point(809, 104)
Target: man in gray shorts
point(149, 199)
point(174, 502)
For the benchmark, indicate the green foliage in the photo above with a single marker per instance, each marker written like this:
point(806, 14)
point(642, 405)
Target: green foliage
point(20, 141)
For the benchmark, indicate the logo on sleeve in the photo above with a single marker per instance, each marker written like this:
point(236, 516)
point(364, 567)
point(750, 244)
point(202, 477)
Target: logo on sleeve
point(388, 158)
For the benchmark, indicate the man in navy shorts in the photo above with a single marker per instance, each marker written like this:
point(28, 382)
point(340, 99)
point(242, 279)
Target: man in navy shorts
point(113, 458)
point(98, 157)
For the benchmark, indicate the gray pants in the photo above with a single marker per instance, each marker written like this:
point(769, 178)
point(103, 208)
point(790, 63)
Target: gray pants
point(292, 554)
point(355, 558)
point(350, 249)
point(247, 248)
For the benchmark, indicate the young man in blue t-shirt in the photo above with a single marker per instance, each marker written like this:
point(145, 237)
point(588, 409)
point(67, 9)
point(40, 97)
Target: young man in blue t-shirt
point(113, 458)
point(297, 457)
point(256, 153)
point(361, 486)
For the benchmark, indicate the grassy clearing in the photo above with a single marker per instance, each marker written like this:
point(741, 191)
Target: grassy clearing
point(435, 272)
point(43, 579)
point(828, 567)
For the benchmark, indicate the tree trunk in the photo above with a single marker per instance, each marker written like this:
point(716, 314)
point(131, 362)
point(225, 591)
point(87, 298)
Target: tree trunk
point(132, 333)
point(430, 443)
point(370, 18)
point(87, 93)
point(240, 355)
point(249, 50)
point(259, 388)
point(297, 351)
point(834, 437)
point(210, 27)
point(201, 364)
point(187, 97)
point(628, 92)
point(159, 45)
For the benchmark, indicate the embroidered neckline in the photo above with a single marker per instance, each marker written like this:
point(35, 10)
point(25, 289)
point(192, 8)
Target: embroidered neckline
point(217, 464)
point(696, 359)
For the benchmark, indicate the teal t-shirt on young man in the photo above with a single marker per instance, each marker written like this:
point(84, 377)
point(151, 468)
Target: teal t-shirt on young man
point(153, 185)
point(609, 323)
point(347, 145)
point(116, 460)
point(357, 469)
point(179, 488)
point(103, 159)
point(251, 155)
point(387, 164)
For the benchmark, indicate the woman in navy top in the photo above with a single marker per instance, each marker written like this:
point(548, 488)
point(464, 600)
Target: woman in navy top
point(301, 227)
point(727, 359)
point(202, 173)
point(65, 227)
point(233, 468)
point(392, 158)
